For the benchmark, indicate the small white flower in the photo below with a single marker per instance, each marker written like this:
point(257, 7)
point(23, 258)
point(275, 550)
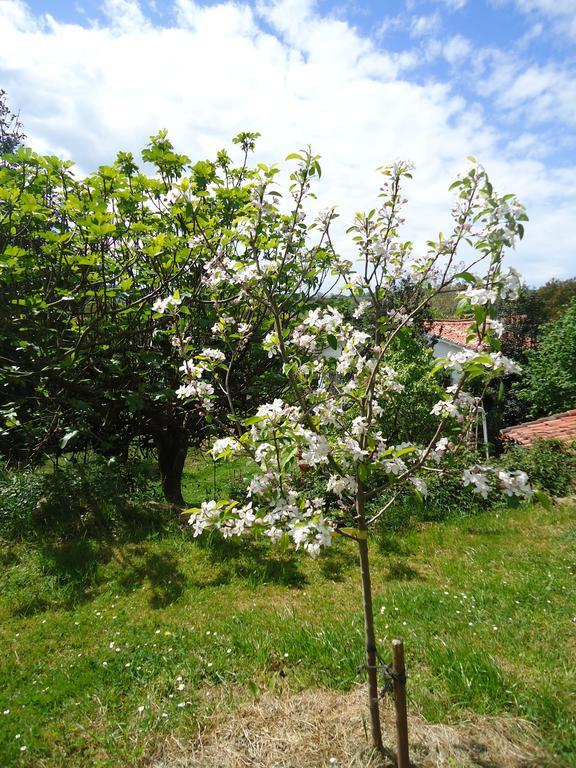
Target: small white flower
point(420, 485)
point(477, 477)
point(480, 296)
point(223, 445)
point(213, 354)
point(162, 305)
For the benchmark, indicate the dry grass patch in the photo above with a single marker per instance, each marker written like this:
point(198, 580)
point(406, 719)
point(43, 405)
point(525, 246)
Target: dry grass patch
point(323, 728)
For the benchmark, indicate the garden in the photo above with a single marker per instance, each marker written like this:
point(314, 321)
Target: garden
point(233, 473)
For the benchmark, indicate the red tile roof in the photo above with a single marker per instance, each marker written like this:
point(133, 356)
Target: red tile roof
point(454, 331)
point(560, 426)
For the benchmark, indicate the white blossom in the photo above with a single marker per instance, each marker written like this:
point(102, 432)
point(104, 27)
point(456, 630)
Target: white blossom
point(480, 296)
point(496, 326)
point(359, 426)
point(162, 305)
point(515, 483)
point(477, 477)
point(224, 444)
point(504, 363)
point(420, 485)
point(213, 354)
point(340, 485)
point(361, 309)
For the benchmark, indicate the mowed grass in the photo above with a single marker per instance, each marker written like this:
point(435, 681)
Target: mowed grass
point(108, 648)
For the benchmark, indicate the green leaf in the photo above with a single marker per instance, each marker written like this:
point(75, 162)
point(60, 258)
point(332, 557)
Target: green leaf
point(467, 276)
point(252, 420)
point(363, 471)
point(333, 341)
point(356, 533)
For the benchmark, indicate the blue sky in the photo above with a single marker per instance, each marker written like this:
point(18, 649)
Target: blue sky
point(364, 82)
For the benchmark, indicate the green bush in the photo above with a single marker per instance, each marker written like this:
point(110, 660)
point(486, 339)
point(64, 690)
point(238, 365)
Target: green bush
point(550, 465)
point(447, 498)
point(93, 498)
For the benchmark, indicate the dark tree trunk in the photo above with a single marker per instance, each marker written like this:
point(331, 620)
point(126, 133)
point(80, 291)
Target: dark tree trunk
point(172, 448)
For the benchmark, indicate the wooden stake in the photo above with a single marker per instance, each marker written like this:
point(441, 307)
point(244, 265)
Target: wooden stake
point(400, 703)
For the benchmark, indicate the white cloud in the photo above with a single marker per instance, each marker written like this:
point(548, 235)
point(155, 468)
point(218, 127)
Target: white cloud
point(456, 49)
point(296, 76)
point(454, 5)
point(561, 12)
point(421, 26)
point(124, 15)
point(537, 93)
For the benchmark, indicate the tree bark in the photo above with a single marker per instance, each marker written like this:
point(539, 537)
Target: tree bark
point(172, 448)
point(369, 634)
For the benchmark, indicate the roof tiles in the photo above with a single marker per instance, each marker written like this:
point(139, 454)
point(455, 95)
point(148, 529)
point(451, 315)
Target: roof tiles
point(454, 331)
point(560, 426)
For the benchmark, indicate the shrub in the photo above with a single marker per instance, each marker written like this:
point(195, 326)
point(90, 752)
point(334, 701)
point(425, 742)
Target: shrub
point(550, 465)
point(92, 498)
point(447, 498)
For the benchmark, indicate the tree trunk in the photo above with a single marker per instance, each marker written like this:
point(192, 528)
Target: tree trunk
point(369, 635)
point(172, 447)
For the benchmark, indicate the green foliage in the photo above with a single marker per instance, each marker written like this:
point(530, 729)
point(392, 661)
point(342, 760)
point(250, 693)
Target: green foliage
point(447, 499)
point(409, 418)
point(85, 361)
point(79, 499)
point(549, 381)
point(550, 465)
point(523, 318)
point(555, 296)
point(445, 303)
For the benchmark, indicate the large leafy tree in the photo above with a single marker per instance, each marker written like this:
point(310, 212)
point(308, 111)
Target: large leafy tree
point(83, 364)
point(556, 296)
point(549, 382)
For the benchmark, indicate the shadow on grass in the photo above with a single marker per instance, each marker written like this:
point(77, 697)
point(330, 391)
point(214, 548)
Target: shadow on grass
point(390, 543)
point(72, 571)
point(336, 562)
point(252, 561)
point(160, 569)
point(400, 571)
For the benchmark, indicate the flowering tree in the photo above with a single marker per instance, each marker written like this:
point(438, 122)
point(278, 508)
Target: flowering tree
point(339, 383)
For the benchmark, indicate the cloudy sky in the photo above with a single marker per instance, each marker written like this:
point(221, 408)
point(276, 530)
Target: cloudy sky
point(364, 82)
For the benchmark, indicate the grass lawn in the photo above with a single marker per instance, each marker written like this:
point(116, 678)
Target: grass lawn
point(110, 647)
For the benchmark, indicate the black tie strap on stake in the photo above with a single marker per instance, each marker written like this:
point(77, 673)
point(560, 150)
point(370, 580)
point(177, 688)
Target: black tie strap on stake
point(388, 676)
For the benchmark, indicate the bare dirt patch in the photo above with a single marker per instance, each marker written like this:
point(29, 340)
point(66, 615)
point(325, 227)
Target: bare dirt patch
point(325, 729)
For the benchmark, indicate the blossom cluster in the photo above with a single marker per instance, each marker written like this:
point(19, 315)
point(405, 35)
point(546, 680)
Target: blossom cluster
point(194, 386)
point(510, 483)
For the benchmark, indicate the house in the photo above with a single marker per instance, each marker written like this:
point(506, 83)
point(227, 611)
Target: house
point(450, 336)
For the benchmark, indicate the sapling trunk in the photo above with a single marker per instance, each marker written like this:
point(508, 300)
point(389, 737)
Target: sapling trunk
point(369, 635)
